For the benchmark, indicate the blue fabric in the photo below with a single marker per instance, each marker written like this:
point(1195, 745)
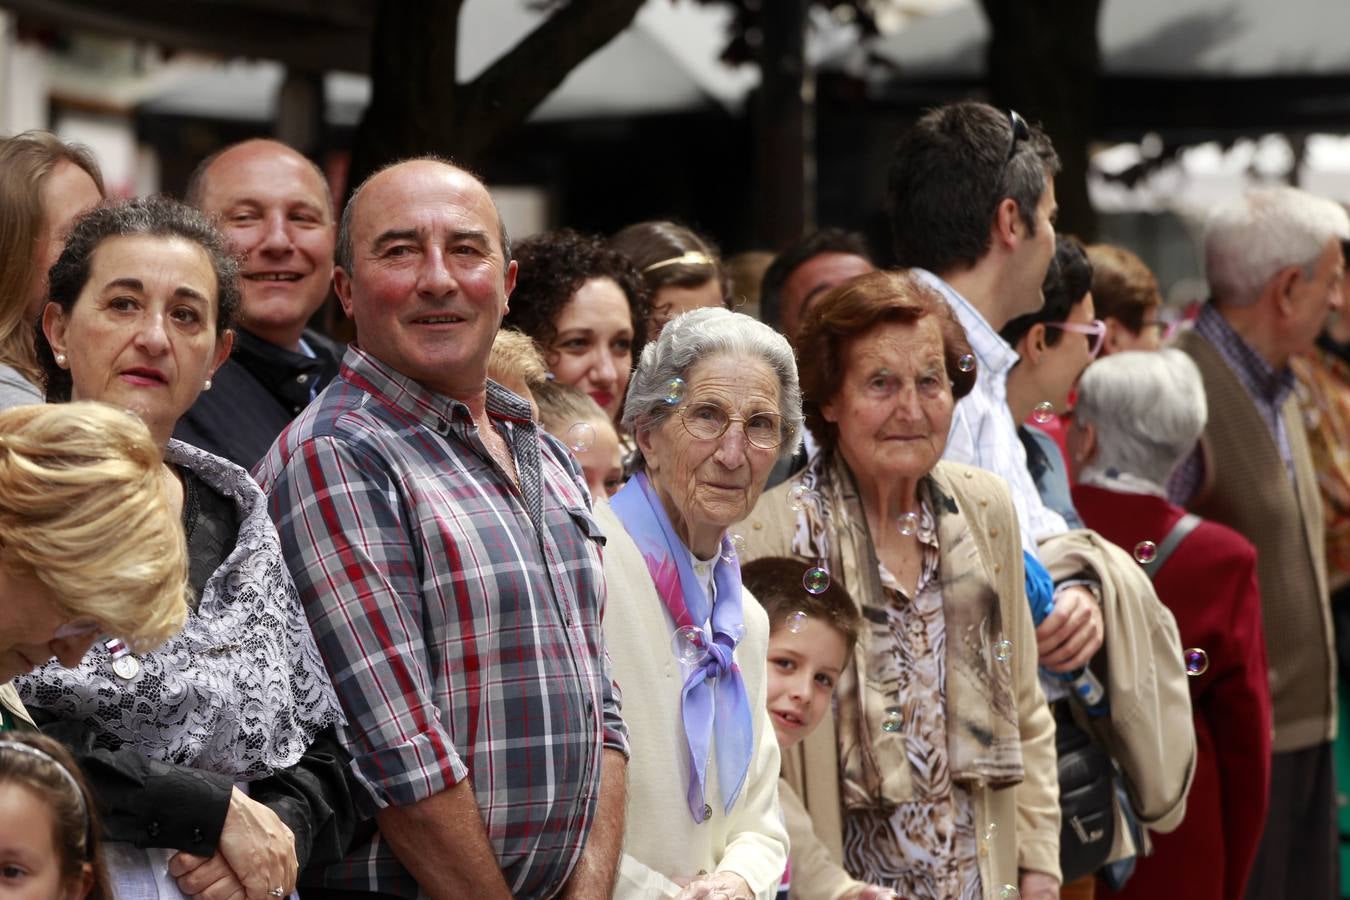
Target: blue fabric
point(714, 700)
point(1040, 588)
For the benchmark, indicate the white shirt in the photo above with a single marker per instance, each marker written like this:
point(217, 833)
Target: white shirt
point(983, 432)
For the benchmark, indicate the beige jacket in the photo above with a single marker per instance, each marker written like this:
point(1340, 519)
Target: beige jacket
point(812, 768)
point(661, 840)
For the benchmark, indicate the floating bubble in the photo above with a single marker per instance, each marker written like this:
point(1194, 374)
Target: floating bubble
point(1003, 650)
point(908, 524)
point(966, 363)
point(689, 644)
point(797, 497)
point(796, 621)
point(735, 546)
point(1144, 552)
point(991, 831)
point(893, 720)
point(1043, 412)
point(1008, 892)
point(816, 580)
point(1197, 661)
point(674, 391)
point(581, 437)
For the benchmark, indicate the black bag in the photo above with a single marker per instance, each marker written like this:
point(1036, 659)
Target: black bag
point(1086, 798)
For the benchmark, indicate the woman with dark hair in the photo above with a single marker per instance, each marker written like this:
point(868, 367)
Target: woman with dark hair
point(44, 185)
point(141, 300)
point(936, 776)
point(680, 268)
point(584, 306)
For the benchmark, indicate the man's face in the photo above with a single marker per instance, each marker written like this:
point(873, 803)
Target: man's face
point(1034, 253)
point(273, 209)
point(428, 287)
point(812, 280)
point(1313, 297)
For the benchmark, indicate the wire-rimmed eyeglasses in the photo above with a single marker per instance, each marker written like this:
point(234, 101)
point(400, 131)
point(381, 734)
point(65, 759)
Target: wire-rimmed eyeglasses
point(708, 422)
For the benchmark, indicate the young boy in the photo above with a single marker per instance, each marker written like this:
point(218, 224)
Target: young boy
point(574, 418)
point(811, 639)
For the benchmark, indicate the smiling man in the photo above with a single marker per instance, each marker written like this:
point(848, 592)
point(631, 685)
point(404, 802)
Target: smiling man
point(445, 553)
point(274, 207)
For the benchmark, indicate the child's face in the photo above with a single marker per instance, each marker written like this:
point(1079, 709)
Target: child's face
point(602, 462)
point(30, 864)
point(804, 667)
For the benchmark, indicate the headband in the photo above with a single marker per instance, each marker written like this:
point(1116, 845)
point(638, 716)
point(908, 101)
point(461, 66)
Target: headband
point(30, 750)
point(691, 258)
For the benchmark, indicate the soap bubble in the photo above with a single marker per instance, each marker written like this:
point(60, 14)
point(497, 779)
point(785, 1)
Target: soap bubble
point(1003, 650)
point(991, 831)
point(674, 391)
point(1145, 552)
point(797, 497)
point(1197, 661)
point(689, 644)
point(1043, 412)
point(796, 621)
point(1008, 892)
point(966, 363)
point(908, 524)
point(893, 720)
point(735, 546)
point(581, 437)
point(816, 580)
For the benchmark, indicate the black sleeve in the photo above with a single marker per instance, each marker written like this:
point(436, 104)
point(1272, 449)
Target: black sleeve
point(146, 802)
point(314, 798)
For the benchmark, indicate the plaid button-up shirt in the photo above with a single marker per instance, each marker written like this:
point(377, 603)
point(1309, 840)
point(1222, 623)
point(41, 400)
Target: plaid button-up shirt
point(460, 616)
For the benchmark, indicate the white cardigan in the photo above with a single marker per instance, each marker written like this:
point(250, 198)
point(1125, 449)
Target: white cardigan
point(661, 840)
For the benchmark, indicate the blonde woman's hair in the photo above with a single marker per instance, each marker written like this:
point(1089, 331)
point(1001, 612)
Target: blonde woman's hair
point(25, 162)
point(514, 355)
point(563, 405)
point(85, 510)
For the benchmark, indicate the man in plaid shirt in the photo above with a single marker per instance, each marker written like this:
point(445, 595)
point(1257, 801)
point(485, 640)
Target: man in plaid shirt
point(447, 559)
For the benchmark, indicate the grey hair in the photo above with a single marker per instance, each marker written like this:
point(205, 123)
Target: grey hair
point(1253, 237)
point(1149, 409)
point(342, 252)
point(700, 334)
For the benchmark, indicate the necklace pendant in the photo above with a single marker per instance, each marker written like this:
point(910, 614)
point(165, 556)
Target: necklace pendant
point(124, 665)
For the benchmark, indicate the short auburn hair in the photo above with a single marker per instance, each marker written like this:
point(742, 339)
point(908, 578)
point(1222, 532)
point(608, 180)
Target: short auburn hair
point(850, 311)
point(1123, 288)
point(776, 582)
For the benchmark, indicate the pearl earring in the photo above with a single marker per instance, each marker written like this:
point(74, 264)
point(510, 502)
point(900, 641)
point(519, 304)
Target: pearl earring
point(206, 385)
point(61, 360)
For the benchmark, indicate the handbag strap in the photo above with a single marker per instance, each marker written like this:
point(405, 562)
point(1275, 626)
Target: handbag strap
point(1183, 527)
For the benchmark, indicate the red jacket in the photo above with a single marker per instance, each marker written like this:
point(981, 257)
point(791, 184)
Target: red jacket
point(1209, 584)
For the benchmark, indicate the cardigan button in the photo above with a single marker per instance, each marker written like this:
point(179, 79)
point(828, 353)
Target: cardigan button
point(758, 526)
point(984, 501)
point(993, 532)
point(998, 567)
point(969, 475)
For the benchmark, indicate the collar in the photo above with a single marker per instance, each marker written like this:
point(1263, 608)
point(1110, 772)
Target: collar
point(430, 408)
point(994, 355)
point(273, 365)
point(1260, 378)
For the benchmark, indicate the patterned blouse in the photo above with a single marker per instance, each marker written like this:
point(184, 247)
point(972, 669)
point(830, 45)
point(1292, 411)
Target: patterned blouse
point(925, 849)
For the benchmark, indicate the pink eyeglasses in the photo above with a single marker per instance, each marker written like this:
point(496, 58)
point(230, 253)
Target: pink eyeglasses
point(1096, 330)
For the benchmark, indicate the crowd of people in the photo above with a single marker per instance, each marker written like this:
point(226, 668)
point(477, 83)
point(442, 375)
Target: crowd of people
point(971, 578)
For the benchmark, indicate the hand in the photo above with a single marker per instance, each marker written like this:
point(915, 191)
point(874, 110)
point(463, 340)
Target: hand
point(717, 886)
point(1039, 886)
point(206, 878)
point(1072, 634)
point(258, 845)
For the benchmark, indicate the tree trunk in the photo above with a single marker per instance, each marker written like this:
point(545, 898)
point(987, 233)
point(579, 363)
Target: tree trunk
point(783, 128)
point(1045, 62)
point(418, 107)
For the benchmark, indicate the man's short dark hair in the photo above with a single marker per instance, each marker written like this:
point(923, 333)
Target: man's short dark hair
point(808, 246)
point(948, 175)
point(1067, 281)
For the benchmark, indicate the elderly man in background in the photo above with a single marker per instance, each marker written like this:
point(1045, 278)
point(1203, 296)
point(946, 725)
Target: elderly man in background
point(447, 558)
point(1274, 264)
point(274, 207)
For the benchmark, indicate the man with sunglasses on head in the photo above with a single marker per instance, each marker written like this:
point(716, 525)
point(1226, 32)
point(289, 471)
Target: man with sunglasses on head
point(972, 209)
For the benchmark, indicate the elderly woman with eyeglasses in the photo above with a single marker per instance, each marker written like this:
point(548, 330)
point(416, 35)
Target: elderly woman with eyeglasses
point(714, 403)
point(936, 775)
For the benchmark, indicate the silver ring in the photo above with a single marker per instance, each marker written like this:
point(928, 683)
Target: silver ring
point(277, 892)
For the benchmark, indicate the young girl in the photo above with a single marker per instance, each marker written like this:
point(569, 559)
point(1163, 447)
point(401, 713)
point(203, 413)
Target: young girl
point(48, 833)
point(811, 637)
point(580, 423)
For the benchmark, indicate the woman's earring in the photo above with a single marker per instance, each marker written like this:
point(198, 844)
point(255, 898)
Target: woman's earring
point(206, 385)
point(61, 360)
